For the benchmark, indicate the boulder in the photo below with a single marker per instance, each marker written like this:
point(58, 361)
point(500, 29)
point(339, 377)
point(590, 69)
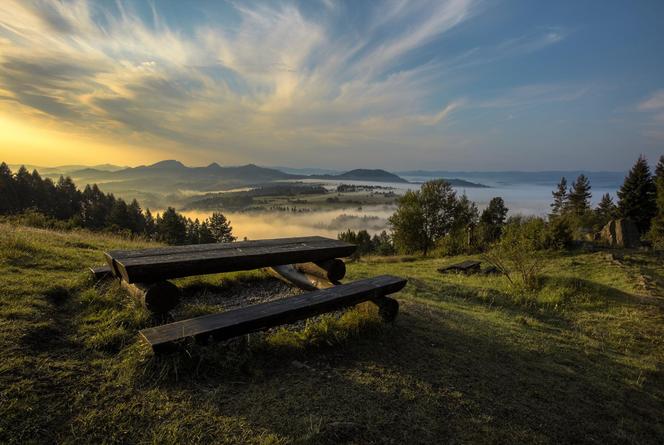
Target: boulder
point(621, 233)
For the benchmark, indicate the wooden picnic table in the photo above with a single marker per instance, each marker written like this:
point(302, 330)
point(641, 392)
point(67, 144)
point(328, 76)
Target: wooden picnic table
point(307, 262)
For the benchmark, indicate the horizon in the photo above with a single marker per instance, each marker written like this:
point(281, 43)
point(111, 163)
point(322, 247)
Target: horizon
point(322, 168)
point(456, 85)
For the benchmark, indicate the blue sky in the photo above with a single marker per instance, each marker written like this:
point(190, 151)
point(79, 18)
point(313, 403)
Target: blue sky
point(455, 85)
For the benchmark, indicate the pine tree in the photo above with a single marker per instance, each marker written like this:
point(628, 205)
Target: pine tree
point(8, 198)
point(23, 187)
point(150, 225)
point(493, 219)
point(559, 204)
point(657, 227)
point(637, 196)
point(171, 227)
point(221, 228)
point(606, 210)
point(579, 196)
point(205, 235)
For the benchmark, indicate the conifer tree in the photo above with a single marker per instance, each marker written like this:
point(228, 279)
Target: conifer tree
point(149, 228)
point(657, 227)
point(637, 196)
point(8, 198)
point(171, 227)
point(579, 196)
point(606, 210)
point(493, 219)
point(221, 228)
point(559, 204)
point(205, 235)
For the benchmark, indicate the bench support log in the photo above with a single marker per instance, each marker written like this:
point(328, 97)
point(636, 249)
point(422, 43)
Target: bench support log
point(159, 297)
point(331, 270)
point(295, 277)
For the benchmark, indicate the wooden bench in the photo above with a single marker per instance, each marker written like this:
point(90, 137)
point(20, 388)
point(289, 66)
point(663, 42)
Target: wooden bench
point(237, 322)
point(467, 267)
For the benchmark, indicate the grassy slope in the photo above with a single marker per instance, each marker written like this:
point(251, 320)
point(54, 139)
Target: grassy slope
point(467, 361)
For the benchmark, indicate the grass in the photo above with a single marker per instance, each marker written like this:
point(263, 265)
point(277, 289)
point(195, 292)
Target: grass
point(469, 360)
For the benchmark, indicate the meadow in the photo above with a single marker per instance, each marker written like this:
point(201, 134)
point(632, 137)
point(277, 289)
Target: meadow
point(468, 360)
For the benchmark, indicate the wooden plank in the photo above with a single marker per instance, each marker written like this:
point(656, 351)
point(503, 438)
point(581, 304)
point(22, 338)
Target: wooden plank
point(151, 265)
point(101, 272)
point(196, 248)
point(262, 316)
point(464, 266)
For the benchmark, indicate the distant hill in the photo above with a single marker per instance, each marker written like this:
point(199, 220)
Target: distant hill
point(172, 175)
point(362, 174)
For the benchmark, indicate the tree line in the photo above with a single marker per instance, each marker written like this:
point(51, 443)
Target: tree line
point(435, 218)
point(640, 199)
point(25, 193)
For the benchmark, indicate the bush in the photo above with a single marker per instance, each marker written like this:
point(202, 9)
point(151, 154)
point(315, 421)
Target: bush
point(518, 255)
point(558, 234)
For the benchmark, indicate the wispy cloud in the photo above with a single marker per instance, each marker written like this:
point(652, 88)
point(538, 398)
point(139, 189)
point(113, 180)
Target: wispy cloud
point(653, 105)
point(276, 79)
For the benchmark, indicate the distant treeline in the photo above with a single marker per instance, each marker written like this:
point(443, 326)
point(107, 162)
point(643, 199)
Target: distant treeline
point(435, 219)
point(44, 202)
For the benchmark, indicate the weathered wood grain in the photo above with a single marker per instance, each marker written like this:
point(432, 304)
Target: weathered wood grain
point(295, 277)
point(158, 298)
point(332, 270)
point(262, 316)
point(149, 265)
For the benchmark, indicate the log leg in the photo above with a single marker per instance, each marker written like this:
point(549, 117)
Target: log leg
point(159, 297)
point(388, 308)
point(332, 270)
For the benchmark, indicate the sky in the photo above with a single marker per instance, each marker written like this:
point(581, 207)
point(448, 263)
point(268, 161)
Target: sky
point(438, 85)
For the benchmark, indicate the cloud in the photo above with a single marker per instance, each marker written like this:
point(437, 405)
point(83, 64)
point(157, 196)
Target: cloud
point(274, 79)
point(653, 106)
point(653, 103)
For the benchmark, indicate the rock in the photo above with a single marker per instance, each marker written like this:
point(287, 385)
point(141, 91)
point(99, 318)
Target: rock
point(621, 233)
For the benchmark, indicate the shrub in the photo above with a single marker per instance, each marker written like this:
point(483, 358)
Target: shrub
point(558, 234)
point(518, 255)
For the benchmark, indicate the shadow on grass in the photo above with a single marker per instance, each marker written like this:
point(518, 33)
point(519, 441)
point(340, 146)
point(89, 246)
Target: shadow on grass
point(426, 379)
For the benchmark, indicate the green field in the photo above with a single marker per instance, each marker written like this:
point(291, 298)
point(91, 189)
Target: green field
point(467, 361)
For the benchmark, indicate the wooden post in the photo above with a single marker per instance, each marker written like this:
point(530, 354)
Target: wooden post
point(289, 274)
point(388, 308)
point(159, 297)
point(332, 270)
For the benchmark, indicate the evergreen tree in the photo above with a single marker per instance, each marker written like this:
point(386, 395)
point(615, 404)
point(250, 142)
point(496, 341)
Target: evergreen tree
point(150, 225)
point(205, 234)
point(136, 220)
point(68, 198)
point(492, 220)
point(578, 199)
point(171, 227)
point(119, 216)
point(8, 198)
point(637, 196)
point(559, 204)
point(606, 210)
point(221, 228)
point(23, 187)
point(657, 227)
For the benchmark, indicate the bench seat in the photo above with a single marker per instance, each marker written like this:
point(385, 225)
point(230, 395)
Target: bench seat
point(237, 322)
